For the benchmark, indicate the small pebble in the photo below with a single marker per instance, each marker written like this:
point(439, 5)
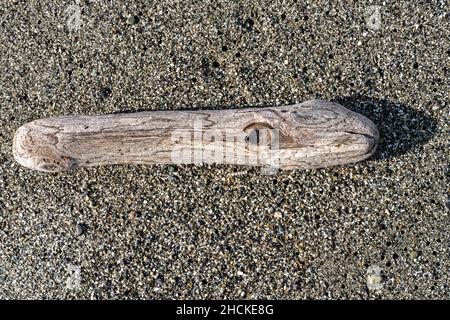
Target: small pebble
point(374, 278)
point(413, 254)
point(133, 20)
point(80, 229)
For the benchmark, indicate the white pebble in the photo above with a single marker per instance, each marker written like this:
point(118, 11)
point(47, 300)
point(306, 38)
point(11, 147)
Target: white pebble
point(374, 278)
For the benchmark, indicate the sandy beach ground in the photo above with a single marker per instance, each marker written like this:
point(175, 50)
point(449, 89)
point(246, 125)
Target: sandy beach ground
point(378, 229)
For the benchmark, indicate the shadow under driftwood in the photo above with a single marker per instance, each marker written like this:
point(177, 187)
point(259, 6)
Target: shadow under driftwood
point(401, 127)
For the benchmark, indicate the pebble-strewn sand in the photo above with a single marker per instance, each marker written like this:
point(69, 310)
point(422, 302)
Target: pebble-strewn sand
point(376, 229)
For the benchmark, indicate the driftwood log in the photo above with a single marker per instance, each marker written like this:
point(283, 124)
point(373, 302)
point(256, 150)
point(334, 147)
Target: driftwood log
point(312, 134)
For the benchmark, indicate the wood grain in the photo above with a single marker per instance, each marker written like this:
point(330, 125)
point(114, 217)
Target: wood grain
point(312, 134)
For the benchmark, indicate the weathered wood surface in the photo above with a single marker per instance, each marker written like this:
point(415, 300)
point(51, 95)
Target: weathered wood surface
point(312, 134)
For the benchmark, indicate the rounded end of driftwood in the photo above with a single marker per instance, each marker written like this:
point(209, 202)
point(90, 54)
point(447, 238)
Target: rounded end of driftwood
point(366, 129)
point(36, 149)
point(327, 134)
